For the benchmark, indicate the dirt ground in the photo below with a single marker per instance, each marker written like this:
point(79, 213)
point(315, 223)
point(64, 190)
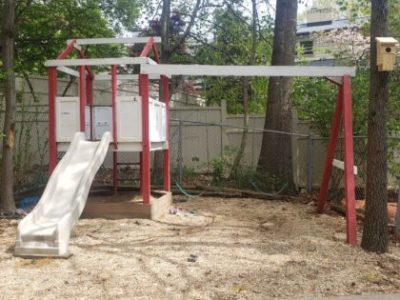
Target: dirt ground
point(211, 248)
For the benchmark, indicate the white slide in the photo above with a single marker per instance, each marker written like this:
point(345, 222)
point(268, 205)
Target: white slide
point(46, 230)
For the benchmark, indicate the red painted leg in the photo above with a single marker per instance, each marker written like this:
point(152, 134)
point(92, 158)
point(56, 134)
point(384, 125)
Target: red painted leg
point(349, 163)
point(115, 172)
point(167, 163)
point(82, 96)
point(167, 171)
point(89, 100)
point(330, 152)
point(89, 90)
point(52, 73)
point(140, 171)
point(145, 164)
point(114, 92)
point(114, 124)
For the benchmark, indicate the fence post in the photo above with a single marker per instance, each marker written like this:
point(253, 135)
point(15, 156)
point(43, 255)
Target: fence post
point(180, 156)
point(223, 117)
point(310, 163)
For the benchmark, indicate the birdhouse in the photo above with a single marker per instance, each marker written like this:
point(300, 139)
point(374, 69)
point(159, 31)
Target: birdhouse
point(386, 53)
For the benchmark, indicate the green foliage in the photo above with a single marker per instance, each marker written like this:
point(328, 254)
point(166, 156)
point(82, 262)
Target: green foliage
point(245, 177)
point(120, 14)
point(43, 27)
point(221, 166)
point(231, 45)
point(315, 101)
point(394, 125)
point(189, 175)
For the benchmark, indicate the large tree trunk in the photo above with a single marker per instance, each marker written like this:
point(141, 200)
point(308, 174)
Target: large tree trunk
point(375, 234)
point(276, 151)
point(7, 165)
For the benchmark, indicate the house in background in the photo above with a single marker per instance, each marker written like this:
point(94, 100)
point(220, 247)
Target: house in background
point(326, 39)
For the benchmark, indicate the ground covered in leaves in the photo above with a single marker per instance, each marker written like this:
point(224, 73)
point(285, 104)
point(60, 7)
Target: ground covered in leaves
point(206, 248)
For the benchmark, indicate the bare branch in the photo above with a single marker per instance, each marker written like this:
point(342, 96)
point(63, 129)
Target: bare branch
point(189, 27)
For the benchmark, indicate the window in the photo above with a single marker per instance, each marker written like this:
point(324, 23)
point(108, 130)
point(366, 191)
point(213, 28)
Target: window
point(307, 47)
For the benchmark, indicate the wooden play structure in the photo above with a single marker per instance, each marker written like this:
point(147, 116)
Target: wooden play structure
point(141, 124)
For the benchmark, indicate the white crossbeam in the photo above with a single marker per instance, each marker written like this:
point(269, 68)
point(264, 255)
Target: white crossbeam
point(124, 41)
point(277, 71)
point(99, 61)
point(107, 77)
point(340, 165)
point(68, 71)
point(77, 47)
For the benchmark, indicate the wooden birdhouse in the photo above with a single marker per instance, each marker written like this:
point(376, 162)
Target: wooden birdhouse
point(386, 53)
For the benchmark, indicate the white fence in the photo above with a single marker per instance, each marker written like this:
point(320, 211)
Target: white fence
point(198, 134)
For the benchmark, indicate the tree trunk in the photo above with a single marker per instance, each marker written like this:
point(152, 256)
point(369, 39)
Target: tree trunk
point(375, 234)
point(239, 155)
point(276, 149)
point(246, 86)
point(165, 20)
point(7, 165)
point(158, 158)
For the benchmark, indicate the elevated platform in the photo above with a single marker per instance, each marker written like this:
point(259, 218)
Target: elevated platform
point(126, 126)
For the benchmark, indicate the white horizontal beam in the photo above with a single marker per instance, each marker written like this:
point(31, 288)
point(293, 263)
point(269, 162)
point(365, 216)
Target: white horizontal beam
point(124, 41)
point(99, 61)
point(68, 71)
point(77, 47)
point(107, 77)
point(277, 71)
point(340, 165)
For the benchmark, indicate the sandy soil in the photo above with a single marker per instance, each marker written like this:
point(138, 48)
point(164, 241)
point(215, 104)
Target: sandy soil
point(211, 249)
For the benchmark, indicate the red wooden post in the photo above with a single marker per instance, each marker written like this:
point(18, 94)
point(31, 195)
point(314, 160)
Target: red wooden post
point(89, 99)
point(114, 103)
point(115, 171)
point(114, 91)
point(82, 96)
point(147, 47)
point(330, 152)
point(140, 153)
point(140, 171)
point(167, 164)
point(155, 52)
point(145, 163)
point(52, 73)
point(349, 163)
point(150, 45)
point(89, 90)
point(67, 51)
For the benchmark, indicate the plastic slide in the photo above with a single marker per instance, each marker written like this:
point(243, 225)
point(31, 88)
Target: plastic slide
point(46, 230)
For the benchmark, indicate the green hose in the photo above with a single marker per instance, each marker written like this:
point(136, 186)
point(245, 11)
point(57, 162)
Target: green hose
point(182, 190)
point(269, 194)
